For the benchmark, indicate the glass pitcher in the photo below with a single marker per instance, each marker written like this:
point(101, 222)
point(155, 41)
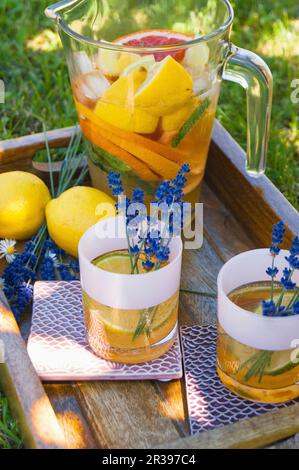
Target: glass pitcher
point(146, 78)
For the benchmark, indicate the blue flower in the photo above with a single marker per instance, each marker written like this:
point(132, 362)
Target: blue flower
point(170, 192)
point(293, 261)
point(277, 238)
point(278, 233)
point(47, 270)
point(296, 308)
point(294, 250)
point(272, 272)
point(134, 249)
point(269, 308)
point(115, 183)
point(20, 275)
point(286, 279)
point(162, 254)
point(65, 273)
point(274, 250)
point(148, 264)
point(138, 196)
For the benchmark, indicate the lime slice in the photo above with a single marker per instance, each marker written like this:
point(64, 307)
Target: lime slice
point(118, 262)
point(281, 362)
point(191, 121)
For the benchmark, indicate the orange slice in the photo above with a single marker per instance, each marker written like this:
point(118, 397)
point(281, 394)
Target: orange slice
point(158, 164)
point(92, 133)
point(172, 154)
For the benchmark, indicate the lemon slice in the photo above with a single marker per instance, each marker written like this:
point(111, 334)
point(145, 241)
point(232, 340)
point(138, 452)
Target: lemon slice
point(125, 322)
point(117, 105)
point(196, 59)
point(165, 89)
point(143, 64)
point(174, 121)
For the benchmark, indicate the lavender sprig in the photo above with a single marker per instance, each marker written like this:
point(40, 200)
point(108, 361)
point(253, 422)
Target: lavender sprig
point(41, 257)
point(272, 308)
point(153, 246)
point(144, 238)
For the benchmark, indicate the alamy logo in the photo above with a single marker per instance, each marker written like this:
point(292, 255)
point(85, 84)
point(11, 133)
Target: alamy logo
point(2, 92)
point(2, 352)
point(295, 93)
point(295, 352)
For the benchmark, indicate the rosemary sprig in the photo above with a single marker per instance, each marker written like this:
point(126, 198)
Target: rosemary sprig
point(145, 322)
point(260, 361)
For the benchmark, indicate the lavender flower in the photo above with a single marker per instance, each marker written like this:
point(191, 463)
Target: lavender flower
point(272, 308)
point(272, 272)
point(293, 261)
point(40, 258)
point(286, 279)
point(294, 250)
point(152, 244)
point(269, 308)
point(277, 238)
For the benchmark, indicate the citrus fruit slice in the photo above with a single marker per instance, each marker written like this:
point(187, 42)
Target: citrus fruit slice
point(174, 122)
point(93, 133)
point(157, 38)
point(167, 87)
point(196, 58)
point(112, 63)
point(117, 105)
point(163, 150)
point(191, 121)
point(143, 64)
point(281, 363)
point(118, 262)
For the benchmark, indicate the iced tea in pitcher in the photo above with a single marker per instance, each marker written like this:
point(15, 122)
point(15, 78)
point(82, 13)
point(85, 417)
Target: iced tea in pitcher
point(146, 79)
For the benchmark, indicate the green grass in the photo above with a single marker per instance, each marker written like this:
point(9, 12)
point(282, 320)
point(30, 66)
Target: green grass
point(9, 435)
point(33, 68)
point(270, 28)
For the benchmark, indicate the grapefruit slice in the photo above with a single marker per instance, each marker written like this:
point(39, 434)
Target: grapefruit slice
point(157, 38)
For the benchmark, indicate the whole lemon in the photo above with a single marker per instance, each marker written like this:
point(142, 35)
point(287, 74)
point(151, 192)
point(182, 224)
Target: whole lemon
point(74, 212)
point(23, 199)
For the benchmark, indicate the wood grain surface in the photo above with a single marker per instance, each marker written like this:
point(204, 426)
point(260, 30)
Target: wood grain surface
point(26, 396)
point(239, 212)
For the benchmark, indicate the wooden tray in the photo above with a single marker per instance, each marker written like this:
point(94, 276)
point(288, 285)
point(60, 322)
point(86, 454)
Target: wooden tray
point(239, 214)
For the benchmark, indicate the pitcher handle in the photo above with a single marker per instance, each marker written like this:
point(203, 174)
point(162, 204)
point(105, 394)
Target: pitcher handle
point(253, 74)
point(53, 10)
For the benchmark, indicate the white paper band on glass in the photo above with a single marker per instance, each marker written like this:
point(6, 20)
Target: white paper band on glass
point(121, 290)
point(257, 331)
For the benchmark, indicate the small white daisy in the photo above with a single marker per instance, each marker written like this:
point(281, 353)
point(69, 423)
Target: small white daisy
point(54, 259)
point(1, 283)
point(7, 250)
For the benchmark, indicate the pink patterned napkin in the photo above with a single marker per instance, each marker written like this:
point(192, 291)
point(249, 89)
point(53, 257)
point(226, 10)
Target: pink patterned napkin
point(210, 404)
point(58, 348)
